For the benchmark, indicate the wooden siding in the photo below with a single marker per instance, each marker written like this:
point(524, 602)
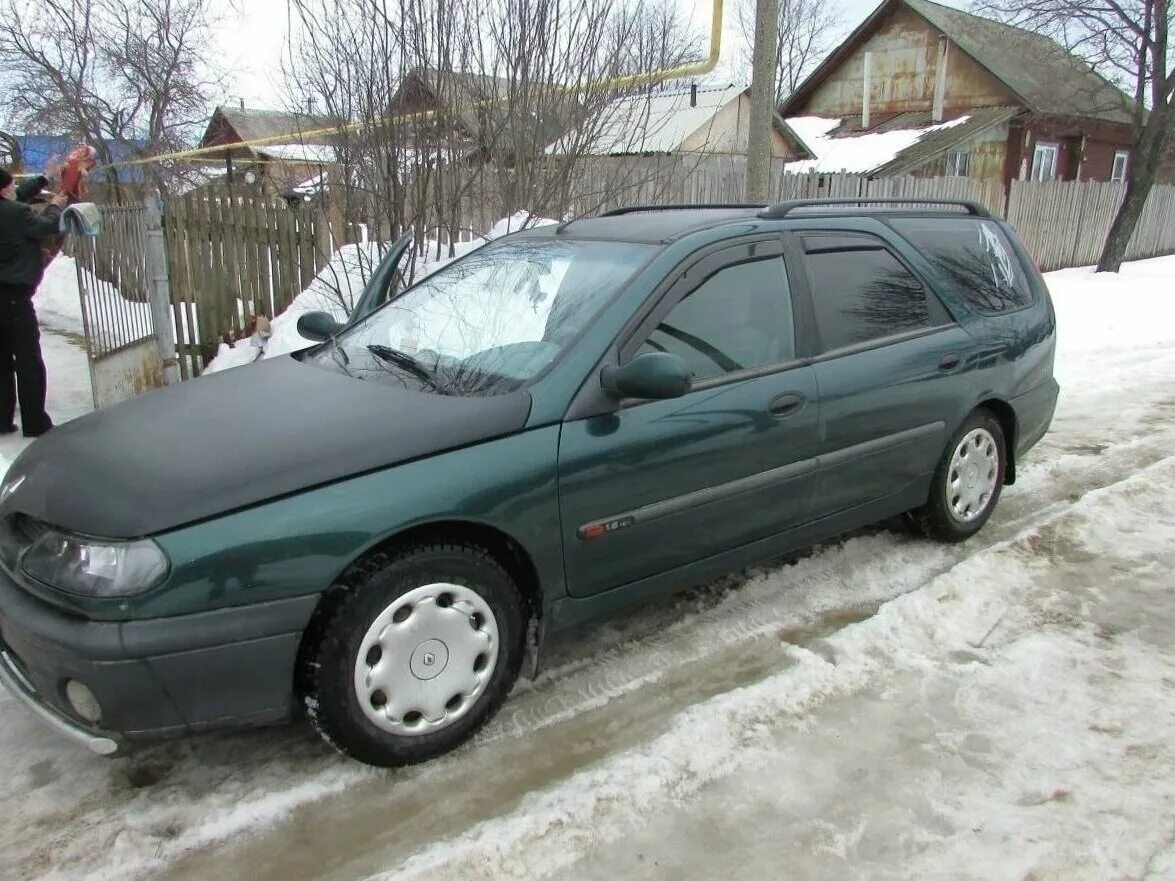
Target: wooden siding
point(905, 59)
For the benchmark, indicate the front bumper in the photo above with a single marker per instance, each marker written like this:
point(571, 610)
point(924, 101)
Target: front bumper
point(13, 679)
point(153, 678)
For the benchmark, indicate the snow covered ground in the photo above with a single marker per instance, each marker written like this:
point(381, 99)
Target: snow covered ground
point(882, 708)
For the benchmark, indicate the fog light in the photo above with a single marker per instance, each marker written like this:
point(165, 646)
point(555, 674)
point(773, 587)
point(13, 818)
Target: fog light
point(83, 701)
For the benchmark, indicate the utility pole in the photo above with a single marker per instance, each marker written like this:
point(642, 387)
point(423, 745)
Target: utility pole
point(762, 102)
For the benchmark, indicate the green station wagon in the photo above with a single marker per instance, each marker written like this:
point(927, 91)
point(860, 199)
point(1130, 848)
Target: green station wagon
point(382, 532)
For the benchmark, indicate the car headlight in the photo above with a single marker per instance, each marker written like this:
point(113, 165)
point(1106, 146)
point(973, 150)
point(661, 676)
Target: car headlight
point(95, 567)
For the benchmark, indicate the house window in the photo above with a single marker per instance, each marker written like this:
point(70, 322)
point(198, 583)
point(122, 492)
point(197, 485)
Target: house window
point(959, 164)
point(1044, 162)
point(1121, 157)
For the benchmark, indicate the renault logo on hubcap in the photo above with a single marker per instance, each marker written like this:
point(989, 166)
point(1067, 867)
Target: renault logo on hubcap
point(429, 660)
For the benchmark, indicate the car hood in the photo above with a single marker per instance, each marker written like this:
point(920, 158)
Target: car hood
point(233, 439)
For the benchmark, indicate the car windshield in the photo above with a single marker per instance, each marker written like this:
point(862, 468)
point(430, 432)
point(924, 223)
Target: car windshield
point(488, 323)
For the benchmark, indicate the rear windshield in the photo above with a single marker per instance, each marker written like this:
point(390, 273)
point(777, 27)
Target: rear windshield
point(976, 256)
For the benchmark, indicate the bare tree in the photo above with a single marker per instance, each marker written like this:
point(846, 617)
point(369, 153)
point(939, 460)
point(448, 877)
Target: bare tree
point(448, 109)
point(806, 30)
point(1127, 41)
point(554, 95)
point(132, 73)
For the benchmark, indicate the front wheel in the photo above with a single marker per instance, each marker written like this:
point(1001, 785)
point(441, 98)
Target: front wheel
point(417, 656)
point(967, 482)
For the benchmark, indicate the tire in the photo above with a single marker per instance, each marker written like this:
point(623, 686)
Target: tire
point(416, 657)
point(962, 499)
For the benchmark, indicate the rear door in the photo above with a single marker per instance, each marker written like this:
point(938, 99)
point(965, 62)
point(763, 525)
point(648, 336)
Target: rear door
point(890, 366)
point(655, 485)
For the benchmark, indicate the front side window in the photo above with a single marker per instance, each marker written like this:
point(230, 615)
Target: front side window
point(862, 292)
point(1121, 157)
point(488, 323)
point(738, 319)
point(975, 256)
point(1044, 162)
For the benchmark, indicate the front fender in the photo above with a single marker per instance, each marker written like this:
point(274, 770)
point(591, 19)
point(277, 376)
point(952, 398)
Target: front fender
point(300, 544)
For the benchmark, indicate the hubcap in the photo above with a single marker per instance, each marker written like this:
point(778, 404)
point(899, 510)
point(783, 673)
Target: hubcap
point(426, 659)
point(973, 475)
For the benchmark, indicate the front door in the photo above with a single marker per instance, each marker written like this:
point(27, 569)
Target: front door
point(659, 484)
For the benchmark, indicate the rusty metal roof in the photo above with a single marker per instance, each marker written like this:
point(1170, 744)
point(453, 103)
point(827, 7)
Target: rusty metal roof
point(253, 124)
point(1049, 78)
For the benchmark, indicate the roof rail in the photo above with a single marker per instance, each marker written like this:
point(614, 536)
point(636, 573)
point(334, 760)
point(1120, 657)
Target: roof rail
point(634, 209)
point(783, 209)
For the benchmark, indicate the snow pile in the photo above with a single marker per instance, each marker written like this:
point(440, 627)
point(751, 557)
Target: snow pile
point(856, 154)
point(1120, 311)
point(338, 287)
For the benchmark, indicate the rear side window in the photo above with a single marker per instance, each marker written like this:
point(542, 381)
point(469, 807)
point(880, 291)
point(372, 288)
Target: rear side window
point(977, 258)
point(737, 319)
point(862, 292)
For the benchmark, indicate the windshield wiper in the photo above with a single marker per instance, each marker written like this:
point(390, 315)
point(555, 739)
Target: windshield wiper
point(405, 362)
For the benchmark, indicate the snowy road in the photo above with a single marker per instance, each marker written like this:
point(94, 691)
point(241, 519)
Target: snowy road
point(883, 708)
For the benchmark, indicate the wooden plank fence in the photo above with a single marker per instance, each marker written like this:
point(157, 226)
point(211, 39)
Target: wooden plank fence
point(233, 257)
point(1065, 223)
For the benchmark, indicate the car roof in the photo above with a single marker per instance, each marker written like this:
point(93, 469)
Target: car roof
point(659, 223)
point(653, 226)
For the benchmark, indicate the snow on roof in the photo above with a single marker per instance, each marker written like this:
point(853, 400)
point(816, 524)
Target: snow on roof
point(646, 123)
point(310, 186)
point(858, 153)
point(299, 152)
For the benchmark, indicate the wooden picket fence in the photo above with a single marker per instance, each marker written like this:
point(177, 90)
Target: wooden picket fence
point(233, 257)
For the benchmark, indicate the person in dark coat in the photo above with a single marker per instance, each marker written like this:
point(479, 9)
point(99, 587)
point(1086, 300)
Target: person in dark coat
point(21, 267)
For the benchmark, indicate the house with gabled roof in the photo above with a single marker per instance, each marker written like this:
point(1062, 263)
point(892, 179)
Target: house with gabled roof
point(482, 115)
point(923, 89)
point(294, 147)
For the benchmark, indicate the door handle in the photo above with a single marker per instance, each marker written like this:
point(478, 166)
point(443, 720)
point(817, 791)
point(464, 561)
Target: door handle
point(786, 405)
point(949, 362)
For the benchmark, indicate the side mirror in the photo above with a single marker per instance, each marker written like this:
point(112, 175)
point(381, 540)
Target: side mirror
point(318, 326)
point(651, 376)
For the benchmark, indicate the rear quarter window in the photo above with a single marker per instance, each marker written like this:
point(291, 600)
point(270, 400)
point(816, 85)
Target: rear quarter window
point(975, 256)
point(861, 292)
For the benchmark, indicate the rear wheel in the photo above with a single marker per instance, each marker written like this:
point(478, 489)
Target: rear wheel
point(417, 656)
point(967, 482)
